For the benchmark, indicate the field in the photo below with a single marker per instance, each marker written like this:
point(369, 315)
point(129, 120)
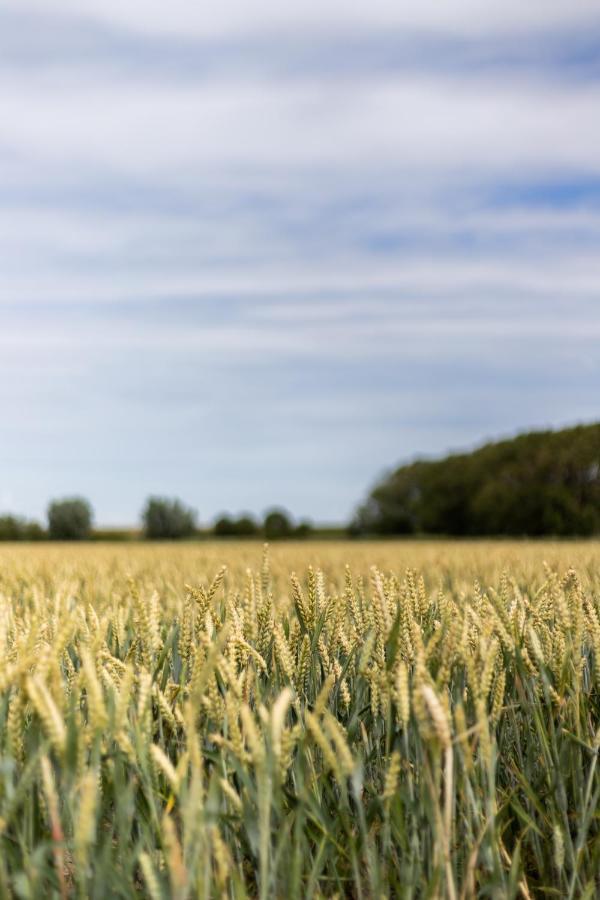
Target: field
point(415, 719)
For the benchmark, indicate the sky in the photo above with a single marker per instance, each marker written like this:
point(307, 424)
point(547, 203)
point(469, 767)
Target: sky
point(259, 253)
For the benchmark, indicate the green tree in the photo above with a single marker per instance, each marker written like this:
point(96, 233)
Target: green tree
point(303, 529)
point(246, 526)
point(167, 519)
point(33, 531)
point(224, 527)
point(541, 483)
point(11, 528)
point(69, 519)
point(277, 525)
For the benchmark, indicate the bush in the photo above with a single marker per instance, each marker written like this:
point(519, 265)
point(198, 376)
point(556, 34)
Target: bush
point(166, 519)
point(244, 526)
point(33, 531)
point(69, 519)
point(11, 528)
point(277, 525)
point(224, 527)
point(542, 483)
point(304, 529)
point(14, 528)
point(113, 534)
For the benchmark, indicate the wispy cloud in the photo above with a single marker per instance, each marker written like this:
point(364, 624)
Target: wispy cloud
point(258, 255)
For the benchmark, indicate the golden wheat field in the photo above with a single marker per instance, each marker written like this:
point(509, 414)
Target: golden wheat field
point(334, 719)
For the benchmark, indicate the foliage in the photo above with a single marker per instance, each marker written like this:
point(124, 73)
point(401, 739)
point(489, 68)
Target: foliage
point(244, 526)
point(251, 735)
point(114, 534)
point(224, 527)
point(303, 529)
point(543, 483)
point(14, 528)
point(69, 519)
point(11, 528)
point(166, 519)
point(277, 525)
point(33, 531)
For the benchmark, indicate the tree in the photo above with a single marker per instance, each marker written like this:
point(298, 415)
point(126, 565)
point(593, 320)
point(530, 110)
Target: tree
point(14, 528)
point(168, 519)
point(303, 529)
point(541, 483)
point(224, 527)
point(11, 528)
point(277, 524)
point(69, 519)
point(245, 526)
point(33, 531)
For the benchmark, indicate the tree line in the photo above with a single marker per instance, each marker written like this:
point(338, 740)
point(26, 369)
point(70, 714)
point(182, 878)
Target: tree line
point(540, 483)
point(163, 518)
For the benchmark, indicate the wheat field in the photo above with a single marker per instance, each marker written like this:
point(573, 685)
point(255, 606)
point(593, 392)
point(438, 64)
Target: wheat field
point(378, 719)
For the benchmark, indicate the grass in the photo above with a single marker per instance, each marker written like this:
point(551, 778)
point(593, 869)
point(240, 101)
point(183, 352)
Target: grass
point(424, 723)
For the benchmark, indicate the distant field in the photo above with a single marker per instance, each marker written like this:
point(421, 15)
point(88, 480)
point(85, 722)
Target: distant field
point(176, 563)
point(425, 722)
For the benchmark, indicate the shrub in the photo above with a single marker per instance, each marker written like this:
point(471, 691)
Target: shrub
point(33, 531)
point(244, 526)
point(224, 527)
point(277, 525)
point(304, 529)
point(11, 528)
point(168, 519)
point(14, 528)
point(542, 483)
point(69, 519)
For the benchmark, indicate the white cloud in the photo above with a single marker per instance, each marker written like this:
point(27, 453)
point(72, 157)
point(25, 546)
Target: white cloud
point(401, 124)
point(237, 16)
point(274, 252)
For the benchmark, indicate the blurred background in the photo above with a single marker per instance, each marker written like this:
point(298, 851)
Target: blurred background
point(260, 253)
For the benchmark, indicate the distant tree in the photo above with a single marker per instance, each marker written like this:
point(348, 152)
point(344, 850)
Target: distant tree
point(69, 519)
point(303, 529)
point(14, 528)
point(33, 531)
point(246, 526)
point(11, 528)
point(167, 519)
point(224, 527)
point(277, 524)
point(541, 483)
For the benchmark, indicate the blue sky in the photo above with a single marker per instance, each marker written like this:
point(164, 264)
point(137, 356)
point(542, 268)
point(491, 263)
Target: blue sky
point(260, 254)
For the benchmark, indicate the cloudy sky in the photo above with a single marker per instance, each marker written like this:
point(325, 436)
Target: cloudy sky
point(260, 252)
